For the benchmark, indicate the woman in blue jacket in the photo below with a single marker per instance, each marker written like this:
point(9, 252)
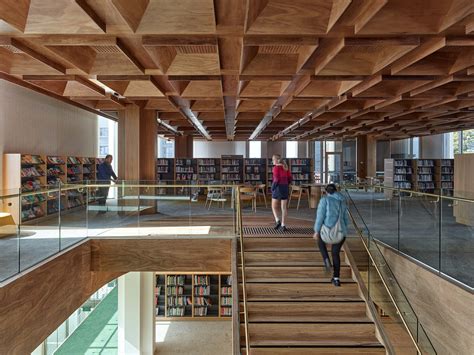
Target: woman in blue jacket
point(328, 213)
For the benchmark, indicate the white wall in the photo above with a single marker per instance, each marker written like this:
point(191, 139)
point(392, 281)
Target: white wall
point(34, 123)
point(206, 149)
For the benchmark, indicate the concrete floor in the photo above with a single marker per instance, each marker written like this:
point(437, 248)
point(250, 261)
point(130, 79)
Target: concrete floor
point(194, 337)
point(419, 235)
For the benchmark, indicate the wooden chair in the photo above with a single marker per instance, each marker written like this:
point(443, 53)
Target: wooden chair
point(297, 192)
point(261, 191)
point(249, 194)
point(214, 194)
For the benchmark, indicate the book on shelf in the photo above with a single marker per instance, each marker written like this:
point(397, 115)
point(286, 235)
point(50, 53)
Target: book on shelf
point(226, 311)
point(31, 172)
point(74, 161)
point(52, 160)
point(31, 185)
point(226, 301)
point(202, 290)
point(29, 159)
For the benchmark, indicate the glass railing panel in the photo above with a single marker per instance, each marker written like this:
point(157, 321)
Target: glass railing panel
point(419, 227)
point(114, 209)
point(10, 210)
point(456, 251)
point(424, 342)
point(39, 225)
point(74, 202)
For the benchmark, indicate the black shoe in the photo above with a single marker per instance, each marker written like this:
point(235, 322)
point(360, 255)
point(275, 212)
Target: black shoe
point(277, 225)
point(336, 282)
point(284, 229)
point(327, 265)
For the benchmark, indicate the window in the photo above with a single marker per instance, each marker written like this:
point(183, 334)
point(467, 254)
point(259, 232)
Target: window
point(103, 131)
point(104, 150)
point(255, 149)
point(165, 147)
point(468, 141)
point(292, 149)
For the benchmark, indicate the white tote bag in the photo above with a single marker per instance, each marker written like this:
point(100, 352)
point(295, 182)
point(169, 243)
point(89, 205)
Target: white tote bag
point(333, 235)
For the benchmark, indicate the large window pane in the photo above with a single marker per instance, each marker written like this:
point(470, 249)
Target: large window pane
point(292, 149)
point(468, 141)
point(255, 149)
point(165, 147)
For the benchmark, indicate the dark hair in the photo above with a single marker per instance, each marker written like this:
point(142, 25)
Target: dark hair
point(108, 156)
point(331, 188)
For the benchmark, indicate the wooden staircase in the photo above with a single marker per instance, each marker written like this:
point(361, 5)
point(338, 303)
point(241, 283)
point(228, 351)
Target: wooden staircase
point(293, 308)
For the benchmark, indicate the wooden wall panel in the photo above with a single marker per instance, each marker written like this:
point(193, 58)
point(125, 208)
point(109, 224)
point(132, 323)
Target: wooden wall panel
point(464, 187)
point(183, 146)
point(129, 143)
point(148, 148)
point(35, 304)
point(161, 255)
point(445, 310)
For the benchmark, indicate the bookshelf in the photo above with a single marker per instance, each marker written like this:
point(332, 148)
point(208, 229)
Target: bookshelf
point(33, 172)
point(186, 170)
point(255, 171)
point(56, 175)
point(193, 296)
point(423, 175)
point(232, 169)
point(208, 170)
point(165, 169)
point(269, 173)
point(301, 170)
point(225, 301)
point(32, 177)
point(444, 176)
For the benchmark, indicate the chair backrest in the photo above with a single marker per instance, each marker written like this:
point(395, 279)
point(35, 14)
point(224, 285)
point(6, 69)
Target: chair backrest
point(295, 188)
point(247, 190)
point(261, 186)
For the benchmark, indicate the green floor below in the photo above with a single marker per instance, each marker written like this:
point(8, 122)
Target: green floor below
point(98, 333)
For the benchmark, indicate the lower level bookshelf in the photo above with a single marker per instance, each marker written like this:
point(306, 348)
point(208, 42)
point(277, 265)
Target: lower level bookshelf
point(193, 296)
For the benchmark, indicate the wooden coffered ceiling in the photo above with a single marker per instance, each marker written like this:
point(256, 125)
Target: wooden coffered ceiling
point(253, 69)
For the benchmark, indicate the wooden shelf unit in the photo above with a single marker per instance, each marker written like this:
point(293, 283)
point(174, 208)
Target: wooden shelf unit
point(185, 170)
point(269, 173)
point(255, 171)
point(232, 169)
point(444, 176)
point(165, 169)
point(193, 296)
point(30, 172)
point(424, 175)
point(208, 169)
point(301, 170)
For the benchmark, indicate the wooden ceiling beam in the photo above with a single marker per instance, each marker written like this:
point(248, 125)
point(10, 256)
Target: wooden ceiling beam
point(38, 56)
point(366, 84)
point(92, 14)
point(131, 11)
point(327, 51)
point(431, 85)
point(130, 55)
point(178, 40)
point(426, 48)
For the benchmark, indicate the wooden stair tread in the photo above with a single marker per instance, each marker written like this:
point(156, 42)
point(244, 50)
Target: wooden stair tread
point(301, 292)
point(292, 274)
point(307, 312)
point(279, 244)
point(316, 351)
point(285, 258)
point(307, 334)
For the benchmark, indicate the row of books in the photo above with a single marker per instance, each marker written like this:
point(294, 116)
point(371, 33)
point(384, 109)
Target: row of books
point(175, 280)
point(447, 177)
point(399, 178)
point(447, 170)
point(183, 177)
point(175, 290)
point(203, 301)
point(226, 290)
point(226, 301)
point(184, 162)
point(233, 162)
point(33, 171)
point(32, 159)
point(187, 169)
point(179, 300)
point(403, 171)
point(32, 212)
point(425, 162)
point(425, 170)
point(201, 279)
point(202, 290)
point(55, 171)
point(31, 185)
point(226, 311)
point(32, 199)
point(207, 169)
point(425, 177)
point(55, 160)
point(426, 185)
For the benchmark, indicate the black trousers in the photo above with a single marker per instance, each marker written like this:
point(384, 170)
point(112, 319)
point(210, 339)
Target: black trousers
point(336, 260)
point(102, 194)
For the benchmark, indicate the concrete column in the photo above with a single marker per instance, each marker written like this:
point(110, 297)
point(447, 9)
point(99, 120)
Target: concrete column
point(361, 157)
point(136, 314)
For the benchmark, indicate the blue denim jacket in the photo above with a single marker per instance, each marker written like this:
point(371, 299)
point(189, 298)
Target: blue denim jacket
point(328, 212)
